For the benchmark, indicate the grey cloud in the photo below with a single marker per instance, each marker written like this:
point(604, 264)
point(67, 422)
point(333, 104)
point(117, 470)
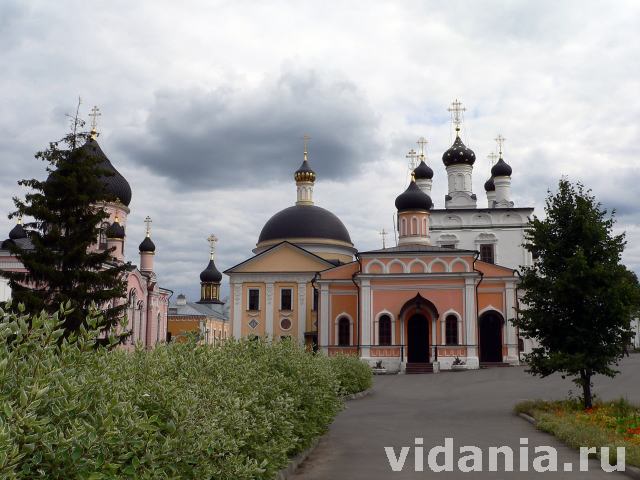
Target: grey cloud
point(233, 136)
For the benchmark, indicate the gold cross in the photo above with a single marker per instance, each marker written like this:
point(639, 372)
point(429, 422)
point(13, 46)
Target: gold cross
point(306, 139)
point(383, 234)
point(492, 158)
point(456, 110)
point(95, 113)
point(500, 141)
point(422, 142)
point(212, 239)
point(147, 222)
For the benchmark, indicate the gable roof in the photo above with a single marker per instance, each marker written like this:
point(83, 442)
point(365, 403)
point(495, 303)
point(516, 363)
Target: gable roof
point(284, 244)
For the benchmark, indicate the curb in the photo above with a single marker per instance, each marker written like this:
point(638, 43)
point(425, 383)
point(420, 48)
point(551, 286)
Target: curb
point(296, 461)
point(356, 396)
point(629, 470)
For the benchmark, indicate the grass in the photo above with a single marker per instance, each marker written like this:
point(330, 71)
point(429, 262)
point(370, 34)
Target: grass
point(613, 424)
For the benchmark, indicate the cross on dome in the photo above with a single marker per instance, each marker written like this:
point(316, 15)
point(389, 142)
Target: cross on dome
point(95, 113)
point(412, 155)
point(212, 239)
point(383, 234)
point(306, 139)
point(492, 158)
point(147, 222)
point(500, 141)
point(456, 111)
point(422, 142)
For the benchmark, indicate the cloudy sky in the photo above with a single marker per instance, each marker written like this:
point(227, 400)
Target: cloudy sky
point(204, 105)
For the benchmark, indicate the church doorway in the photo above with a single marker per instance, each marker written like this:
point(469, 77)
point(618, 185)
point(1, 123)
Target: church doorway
point(490, 331)
point(418, 339)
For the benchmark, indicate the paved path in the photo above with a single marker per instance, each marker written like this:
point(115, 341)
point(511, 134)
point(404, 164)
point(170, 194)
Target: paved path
point(475, 408)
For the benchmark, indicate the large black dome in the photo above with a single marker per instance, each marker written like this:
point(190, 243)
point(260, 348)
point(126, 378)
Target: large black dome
point(116, 184)
point(211, 274)
point(458, 153)
point(304, 221)
point(423, 171)
point(413, 199)
point(501, 169)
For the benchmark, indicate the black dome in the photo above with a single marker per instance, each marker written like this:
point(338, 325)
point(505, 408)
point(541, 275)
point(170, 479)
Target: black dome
point(423, 171)
point(304, 221)
point(211, 274)
point(147, 245)
point(115, 230)
point(501, 169)
point(413, 199)
point(116, 184)
point(17, 232)
point(305, 173)
point(458, 154)
point(489, 186)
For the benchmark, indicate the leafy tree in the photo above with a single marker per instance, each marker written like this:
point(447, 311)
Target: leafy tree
point(578, 298)
point(64, 267)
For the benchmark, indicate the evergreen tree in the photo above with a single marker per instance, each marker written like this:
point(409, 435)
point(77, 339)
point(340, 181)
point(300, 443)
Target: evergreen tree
point(578, 298)
point(64, 264)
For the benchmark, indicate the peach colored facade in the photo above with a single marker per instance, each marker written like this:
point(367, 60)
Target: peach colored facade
point(369, 308)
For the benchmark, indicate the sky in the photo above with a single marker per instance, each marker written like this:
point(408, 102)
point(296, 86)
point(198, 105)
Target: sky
point(204, 105)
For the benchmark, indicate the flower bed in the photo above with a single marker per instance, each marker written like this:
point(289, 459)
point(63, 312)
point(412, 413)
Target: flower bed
point(239, 411)
point(613, 424)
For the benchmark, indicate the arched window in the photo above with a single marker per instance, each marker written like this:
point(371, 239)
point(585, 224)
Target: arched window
point(102, 237)
point(414, 226)
point(451, 330)
point(384, 330)
point(344, 332)
point(424, 227)
point(403, 226)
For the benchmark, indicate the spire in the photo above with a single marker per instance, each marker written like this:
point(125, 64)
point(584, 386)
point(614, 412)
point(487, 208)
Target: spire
point(305, 177)
point(95, 113)
point(456, 111)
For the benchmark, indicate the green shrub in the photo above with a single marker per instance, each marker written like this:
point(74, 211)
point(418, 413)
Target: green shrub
point(70, 410)
point(353, 374)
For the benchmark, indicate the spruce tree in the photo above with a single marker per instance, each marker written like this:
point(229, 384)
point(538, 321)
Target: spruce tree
point(64, 215)
point(578, 297)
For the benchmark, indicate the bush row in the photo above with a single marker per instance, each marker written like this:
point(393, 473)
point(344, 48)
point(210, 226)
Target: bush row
point(239, 411)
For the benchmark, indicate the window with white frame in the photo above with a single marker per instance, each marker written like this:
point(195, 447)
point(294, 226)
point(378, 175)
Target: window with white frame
point(285, 298)
point(254, 299)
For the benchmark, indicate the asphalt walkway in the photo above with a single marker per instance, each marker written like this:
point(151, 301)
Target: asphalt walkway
point(474, 408)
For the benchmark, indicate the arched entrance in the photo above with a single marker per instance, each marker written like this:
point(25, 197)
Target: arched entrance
point(490, 333)
point(418, 339)
point(418, 315)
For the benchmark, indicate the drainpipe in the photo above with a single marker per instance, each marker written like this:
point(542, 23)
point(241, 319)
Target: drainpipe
point(475, 259)
point(516, 272)
point(353, 279)
point(315, 288)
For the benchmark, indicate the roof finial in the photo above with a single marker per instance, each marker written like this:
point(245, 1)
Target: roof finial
point(147, 222)
point(95, 113)
point(500, 141)
point(412, 155)
point(306, 139)
point(212, 239)
point(117, 220)
point(383, 234)
point(413, 176)
point(492, 158)
point(456, 111)
point(20, 219)
point(422, 142)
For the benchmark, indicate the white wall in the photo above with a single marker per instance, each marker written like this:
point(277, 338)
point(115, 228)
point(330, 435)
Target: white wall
point(5, 291)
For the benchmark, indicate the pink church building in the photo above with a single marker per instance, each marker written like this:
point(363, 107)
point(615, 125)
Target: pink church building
point(147, 302)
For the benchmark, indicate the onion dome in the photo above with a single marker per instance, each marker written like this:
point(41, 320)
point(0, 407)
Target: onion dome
point(458, 154)
point(501, 169)
point(115, 230)
point(305, 173)
point(116, 184)
point(423, 171)
point(17, 232)
point(147, 245)
point(211, 274)
point(413, 198)
point(489, 186)
point(304, 221)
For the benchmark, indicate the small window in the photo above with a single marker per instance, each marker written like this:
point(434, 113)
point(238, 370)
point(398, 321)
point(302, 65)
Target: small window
point(285, 299)
point(254, 299)
point(344, 332)
point(487, 253)
point(448, 245)
point(384, 330)
point(451, 330)
point(315, 299)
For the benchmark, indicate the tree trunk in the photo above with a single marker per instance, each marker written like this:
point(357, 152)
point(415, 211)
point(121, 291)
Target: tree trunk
point(585, 379)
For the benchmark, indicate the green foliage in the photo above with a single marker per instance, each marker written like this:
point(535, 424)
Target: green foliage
point(578, 298)
point(353, 374)
point(64, 226)
point(237, 411)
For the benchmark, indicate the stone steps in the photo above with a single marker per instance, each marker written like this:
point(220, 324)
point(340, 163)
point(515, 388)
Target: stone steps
point(417, 368)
